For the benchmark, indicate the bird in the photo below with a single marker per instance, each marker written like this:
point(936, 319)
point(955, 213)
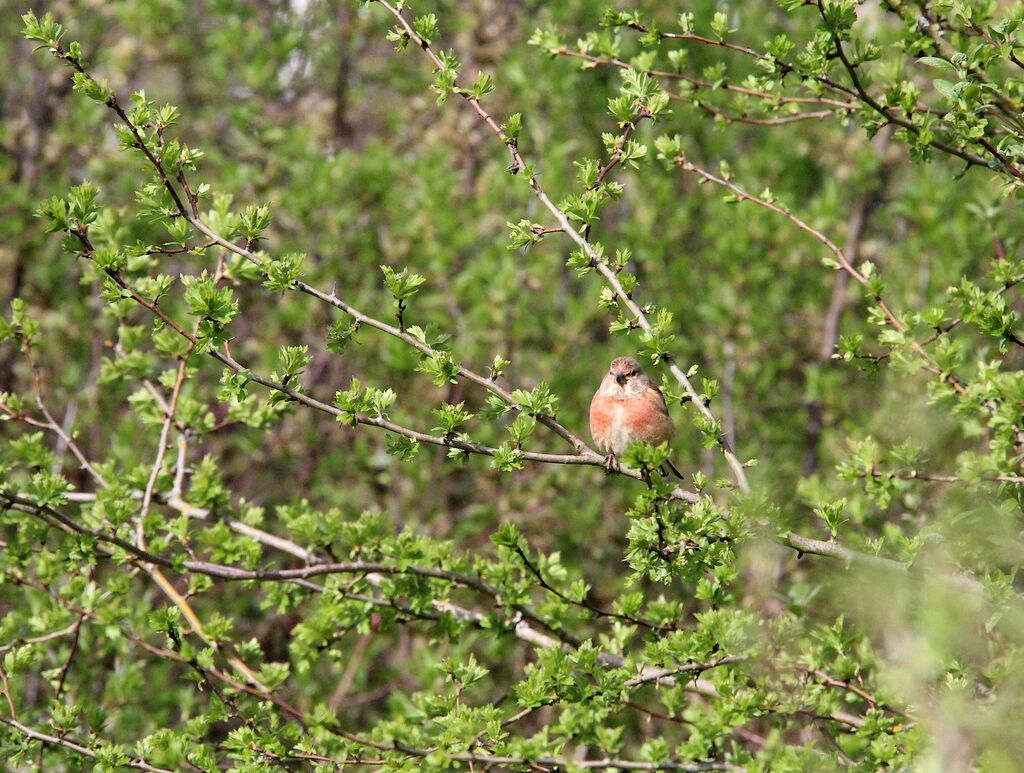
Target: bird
point(626, 408)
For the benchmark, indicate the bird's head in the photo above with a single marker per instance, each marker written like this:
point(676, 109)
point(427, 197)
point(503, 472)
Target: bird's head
point(627, 374)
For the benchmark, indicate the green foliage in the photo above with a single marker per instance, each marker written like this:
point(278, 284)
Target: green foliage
point(208, 562)
point(283, 272)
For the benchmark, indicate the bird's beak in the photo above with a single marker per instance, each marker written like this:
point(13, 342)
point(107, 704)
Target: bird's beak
point(621, 379)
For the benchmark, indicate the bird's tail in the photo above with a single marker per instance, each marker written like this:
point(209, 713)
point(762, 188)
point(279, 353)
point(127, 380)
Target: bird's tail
point(673, 469)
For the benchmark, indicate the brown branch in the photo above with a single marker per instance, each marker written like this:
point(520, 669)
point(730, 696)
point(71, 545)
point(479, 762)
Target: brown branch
point(155, 650)
point(783, 67)
point(76, 635)
point(583, 603)
point(712, 42)
point(586, 456)
point(7, 691)
point(520, 625)
point(39, 639)
point(1013, 282)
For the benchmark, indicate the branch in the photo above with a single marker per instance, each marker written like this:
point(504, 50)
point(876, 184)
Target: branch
point(776, 99)
point(833, 549)
point(589, 458)
point(1012, 282)
point(743, 118)
point(476, 757)
point(520, 624)
point(660, 674)
point(584, 457)
point(546, 762)
point(926, 477)
point(583, 603)
point(136, 763)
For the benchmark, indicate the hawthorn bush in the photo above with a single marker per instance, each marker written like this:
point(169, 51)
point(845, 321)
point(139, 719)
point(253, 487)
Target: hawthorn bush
point(307, 302)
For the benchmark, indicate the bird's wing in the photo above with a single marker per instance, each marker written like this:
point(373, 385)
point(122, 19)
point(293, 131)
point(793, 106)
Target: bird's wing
point(655, 426)
point(657, 399)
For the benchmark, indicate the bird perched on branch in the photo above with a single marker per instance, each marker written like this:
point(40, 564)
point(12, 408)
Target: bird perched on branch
point(627, 408)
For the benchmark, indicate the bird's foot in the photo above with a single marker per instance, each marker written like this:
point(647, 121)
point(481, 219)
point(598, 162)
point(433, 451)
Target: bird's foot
point(611, 463)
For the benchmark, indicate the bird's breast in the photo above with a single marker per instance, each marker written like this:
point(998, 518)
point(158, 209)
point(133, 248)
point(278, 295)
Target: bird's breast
point(610, 423)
